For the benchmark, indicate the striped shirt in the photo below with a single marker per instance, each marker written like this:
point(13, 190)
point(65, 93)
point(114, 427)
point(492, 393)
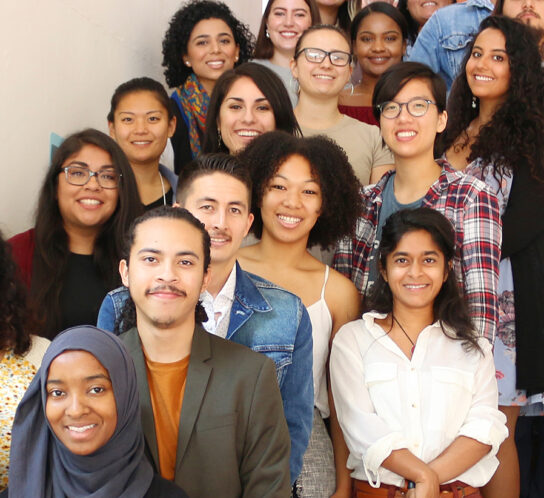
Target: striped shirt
point(473, 210)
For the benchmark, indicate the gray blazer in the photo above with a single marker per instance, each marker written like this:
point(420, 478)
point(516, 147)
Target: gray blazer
point(233, 439)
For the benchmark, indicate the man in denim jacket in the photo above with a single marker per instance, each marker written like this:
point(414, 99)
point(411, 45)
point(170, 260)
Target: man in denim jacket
point(442, 42)
point(243, 307)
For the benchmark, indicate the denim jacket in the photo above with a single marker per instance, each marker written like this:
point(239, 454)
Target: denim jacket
point(272, 321)
point(442, 41)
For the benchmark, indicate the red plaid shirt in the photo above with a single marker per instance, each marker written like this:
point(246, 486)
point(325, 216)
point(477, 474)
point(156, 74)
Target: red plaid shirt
point(473, 210)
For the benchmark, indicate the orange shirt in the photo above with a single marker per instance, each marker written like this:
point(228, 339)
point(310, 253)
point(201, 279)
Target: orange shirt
point(166, 388)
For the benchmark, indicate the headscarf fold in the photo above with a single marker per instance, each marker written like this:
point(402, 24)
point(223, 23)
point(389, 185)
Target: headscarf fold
point(41, 466)
point(193, 102)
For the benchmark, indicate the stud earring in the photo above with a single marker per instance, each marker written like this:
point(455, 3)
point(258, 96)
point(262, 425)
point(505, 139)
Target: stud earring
point(294, 85)
point(187, 63)
point(474, 102)
point(266, 33)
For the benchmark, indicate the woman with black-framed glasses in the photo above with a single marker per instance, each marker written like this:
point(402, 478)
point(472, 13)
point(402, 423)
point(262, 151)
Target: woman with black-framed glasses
point(322, 67)
point(69, 259)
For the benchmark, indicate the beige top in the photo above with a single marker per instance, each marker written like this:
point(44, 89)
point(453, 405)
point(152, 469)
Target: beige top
point(361, 142)
point(16, 373)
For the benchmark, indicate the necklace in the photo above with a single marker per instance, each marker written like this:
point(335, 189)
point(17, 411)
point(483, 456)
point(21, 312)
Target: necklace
point(404, 331)
point(163, 192)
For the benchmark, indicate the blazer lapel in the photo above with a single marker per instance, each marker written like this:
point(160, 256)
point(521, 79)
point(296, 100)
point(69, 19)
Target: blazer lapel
point(198, 375)
point(134, 346)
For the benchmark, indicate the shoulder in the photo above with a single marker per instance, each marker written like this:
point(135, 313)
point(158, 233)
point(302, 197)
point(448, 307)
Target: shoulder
point(22, 240)
point(37, 350)
point(468, 187)
point(341, 292)
point(268, 287)
point(163, 488)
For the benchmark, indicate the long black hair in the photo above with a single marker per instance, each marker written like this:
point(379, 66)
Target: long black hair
point(513, 137)
point(449, 307)
point(267, 82)
point(51, 252)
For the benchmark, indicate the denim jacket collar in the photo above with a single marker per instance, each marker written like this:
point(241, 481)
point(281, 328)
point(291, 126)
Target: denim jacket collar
point(247, 293)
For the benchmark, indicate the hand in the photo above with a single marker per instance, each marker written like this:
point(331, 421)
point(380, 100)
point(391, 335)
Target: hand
point(428, 486)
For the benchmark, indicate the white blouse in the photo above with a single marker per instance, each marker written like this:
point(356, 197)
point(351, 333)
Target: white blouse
point(387, 402)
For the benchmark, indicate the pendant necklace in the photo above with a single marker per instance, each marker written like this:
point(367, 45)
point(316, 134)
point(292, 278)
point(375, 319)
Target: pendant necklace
point(404, 331)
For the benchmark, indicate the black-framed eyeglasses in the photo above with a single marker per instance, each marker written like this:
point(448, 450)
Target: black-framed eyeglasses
point(337, 57)
point(417, 107)
point(79, 175)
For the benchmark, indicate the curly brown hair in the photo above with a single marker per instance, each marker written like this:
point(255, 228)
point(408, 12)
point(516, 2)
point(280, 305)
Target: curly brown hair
point(342, 203)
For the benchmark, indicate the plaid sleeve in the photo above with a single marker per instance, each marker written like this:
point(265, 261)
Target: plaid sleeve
point(343, 257)
point(480, 260)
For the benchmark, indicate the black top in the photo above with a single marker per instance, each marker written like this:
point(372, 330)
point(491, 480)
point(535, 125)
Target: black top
point(82, 292)
point(160, 201)
point(180, 141)
point(159, 488)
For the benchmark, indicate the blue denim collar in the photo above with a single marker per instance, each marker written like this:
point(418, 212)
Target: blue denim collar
point(481, 3)
point(247, 293)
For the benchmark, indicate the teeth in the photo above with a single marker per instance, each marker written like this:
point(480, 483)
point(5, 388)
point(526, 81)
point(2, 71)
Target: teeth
point(414, 286)
point(291, 220)
point(215, 240)
point(406, 134)
point(248, 133)
point(142, 142)
point(479, 77)
point(215, 64)
point(429, 4)
point(379, 59)
point(90, 202)
point(288, 34)
point(323, 77)
point(81, 429)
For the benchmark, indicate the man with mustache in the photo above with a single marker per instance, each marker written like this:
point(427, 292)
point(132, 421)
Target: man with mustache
point(212, 413)
point(242, 307)
point(530, 12)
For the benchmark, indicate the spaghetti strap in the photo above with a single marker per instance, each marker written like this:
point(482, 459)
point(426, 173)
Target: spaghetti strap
point(325, 281)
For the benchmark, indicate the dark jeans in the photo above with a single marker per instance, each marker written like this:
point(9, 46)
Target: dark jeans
point(530, 444)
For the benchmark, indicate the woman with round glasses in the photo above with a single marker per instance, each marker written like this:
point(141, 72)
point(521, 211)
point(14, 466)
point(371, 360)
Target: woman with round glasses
point(322, 66)
point(495, 134)
point(282, 24)
point(69, 259)
point(410, 101)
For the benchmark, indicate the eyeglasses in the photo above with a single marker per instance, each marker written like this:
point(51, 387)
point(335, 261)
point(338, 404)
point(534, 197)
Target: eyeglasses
point(417, 107)
point(337, 57)
point(78, 175)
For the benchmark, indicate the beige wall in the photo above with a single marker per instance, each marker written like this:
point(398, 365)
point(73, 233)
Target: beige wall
point(60, 61)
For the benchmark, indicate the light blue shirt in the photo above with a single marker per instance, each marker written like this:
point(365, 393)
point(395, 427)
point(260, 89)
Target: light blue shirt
point(442, 42)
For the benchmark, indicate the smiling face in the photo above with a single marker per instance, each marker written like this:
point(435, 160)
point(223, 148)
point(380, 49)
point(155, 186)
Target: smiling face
point(165, 275)
point(80, 406)
point(488, 68)
point(89, 206)
point(221, 202)
point(379, 44)
point(292, 201)
point(322, 80)
point(415, 271)
point(530, 12)
point(245, 113)
point(141, 127)
point(421, 10)
point(211, 50)
point(411, 137)
point(286, 21)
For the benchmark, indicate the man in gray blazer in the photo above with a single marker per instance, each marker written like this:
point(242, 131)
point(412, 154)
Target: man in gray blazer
point(212, 412)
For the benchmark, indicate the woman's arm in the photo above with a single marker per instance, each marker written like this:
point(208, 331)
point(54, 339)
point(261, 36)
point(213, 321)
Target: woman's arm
point(345, 307)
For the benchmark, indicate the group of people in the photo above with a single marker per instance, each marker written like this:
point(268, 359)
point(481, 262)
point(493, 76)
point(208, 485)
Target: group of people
point(335, 290)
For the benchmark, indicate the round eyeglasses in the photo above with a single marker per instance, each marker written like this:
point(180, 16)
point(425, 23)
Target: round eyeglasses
point(337, 57)
point(417, 107)
point(79, 175)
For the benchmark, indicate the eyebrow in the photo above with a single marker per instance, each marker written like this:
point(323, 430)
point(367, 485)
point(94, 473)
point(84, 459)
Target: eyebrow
point(404, 253)
point(132, 112)
point(240, 99)
point(311, 180)
point(299, 9)
point(89, 378)
point(209, 36)
point(382, 33)
point(179, 253)
point(85, 165)
point(492, 50)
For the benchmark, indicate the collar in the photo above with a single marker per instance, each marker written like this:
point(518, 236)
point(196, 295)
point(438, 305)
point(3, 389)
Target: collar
point(226, 294)
point(247, 292)
point(486, 4)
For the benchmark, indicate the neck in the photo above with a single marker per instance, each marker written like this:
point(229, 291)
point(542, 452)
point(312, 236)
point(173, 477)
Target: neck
point(286, 254)
point(317, 113)
point(166, 345)
point(81, 240)
point(414, 177)
point(329, 14)
point(413, 320)
point(487, 109)
point(281, 58)
point(220, 273)
point(148, 181)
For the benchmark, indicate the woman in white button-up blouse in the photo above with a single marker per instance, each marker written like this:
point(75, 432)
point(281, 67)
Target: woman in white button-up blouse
point(414, 388)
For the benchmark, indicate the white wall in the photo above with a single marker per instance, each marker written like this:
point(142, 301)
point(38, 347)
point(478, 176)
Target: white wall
point(60, 61)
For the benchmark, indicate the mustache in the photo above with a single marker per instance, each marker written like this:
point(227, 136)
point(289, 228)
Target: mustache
point(531, 11)
point(168, 288)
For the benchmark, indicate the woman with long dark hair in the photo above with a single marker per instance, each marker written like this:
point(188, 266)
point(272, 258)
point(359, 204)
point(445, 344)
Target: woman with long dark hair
point(305, 194)
point(495, 134)
point(282, 24)
point(70, 258)
point(203, 41)
point(247, 101)
point(414, 386)
point(20, 353)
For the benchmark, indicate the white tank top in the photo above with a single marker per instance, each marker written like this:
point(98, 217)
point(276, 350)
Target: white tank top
point(321, 319)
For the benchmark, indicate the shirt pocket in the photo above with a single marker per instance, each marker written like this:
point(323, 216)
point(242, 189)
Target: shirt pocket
point(382, 384)
point(450, 398)
point(454, 46)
